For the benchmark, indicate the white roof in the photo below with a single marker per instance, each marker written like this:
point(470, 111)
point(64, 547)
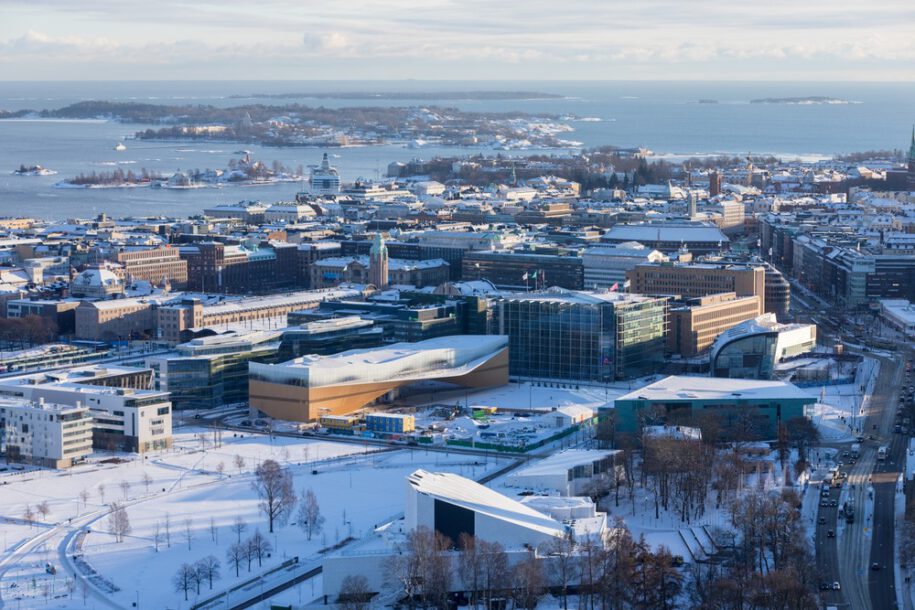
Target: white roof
point(683, 387)
point(562, 462)
point(666, 232)
point(457, 490)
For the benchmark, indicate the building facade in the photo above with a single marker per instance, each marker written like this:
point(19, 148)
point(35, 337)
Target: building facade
point(696, 323)
point(581, 336)
point(44, 434)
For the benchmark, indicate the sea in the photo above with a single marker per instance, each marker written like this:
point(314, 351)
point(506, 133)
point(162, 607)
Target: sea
point(665, 117)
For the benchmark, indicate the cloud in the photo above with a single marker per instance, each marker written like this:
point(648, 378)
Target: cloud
point(476, 38)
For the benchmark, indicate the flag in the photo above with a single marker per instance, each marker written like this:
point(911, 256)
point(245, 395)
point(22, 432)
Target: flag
point(524, 277)
point(615, 287)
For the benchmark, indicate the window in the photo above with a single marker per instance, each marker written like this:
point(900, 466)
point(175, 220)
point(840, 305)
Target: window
point(119, 413)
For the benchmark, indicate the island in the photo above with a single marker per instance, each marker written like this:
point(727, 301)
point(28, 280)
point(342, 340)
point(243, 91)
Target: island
point(240, 172)
point(406, 95)
point(299, 125)
point(33, 170)
point(809, 100)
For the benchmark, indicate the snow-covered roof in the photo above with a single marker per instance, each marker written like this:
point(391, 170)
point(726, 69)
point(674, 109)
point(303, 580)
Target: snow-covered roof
point(562, 462)
point(666, 232)
point(687, 388)
point(459, 491)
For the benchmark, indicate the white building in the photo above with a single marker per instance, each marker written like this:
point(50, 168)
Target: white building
point(454, 505)
point(44, 434)
point(899, 315)
point(605, 266)
point(122, 419)
point(289, 212)
point(570, 472)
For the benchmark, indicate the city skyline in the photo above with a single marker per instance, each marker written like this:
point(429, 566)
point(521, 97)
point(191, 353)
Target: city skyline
point(449, 40)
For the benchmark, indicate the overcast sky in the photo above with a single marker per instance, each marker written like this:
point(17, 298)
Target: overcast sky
point(458, 39)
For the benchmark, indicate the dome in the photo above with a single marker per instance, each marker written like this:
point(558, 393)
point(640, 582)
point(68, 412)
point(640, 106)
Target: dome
point(96, 277)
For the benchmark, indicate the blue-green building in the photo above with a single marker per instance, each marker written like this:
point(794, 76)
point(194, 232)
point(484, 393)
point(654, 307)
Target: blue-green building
point(740, 406)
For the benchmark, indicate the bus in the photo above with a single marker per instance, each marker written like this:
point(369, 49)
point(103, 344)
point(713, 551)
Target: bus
point(881, 453)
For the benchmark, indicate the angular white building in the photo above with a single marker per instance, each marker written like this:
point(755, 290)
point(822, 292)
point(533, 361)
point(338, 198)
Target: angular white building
point(454, 505)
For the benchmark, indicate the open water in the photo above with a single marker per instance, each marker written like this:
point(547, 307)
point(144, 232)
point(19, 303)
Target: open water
point(663, 116)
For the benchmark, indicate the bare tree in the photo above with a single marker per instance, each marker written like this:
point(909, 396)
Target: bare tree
point(470, 566)
point(564, 566)
point(84, 496)
point(168, 531)
point(354, 593)
point(101, 492)
point(239, 462)
point(43, 509)
point(274, 486)
point(188, 531)
point(125, 488)
point(309, 517)
point(157, 535)
point(495, 571)
point(221, 468)
point(208, 569)
point(422, 567)
point(118, 522)
point(235, 554)
point(528, 582)
point(147, 480)
point(239, 526)
point(28, 515)
point(213, 529)
point(259, 547)
point(185, 579)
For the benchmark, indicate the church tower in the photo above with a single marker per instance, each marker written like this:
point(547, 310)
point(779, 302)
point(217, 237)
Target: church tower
point(378, 263)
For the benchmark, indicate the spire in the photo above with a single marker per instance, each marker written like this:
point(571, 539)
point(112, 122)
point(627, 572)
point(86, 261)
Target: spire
point(912, 146)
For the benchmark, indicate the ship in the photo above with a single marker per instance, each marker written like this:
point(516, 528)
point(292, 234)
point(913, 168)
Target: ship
point(120, 147)
point(324, 180)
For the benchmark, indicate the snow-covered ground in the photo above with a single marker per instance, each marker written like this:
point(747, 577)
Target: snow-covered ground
point(357, 488)
point(839, 411)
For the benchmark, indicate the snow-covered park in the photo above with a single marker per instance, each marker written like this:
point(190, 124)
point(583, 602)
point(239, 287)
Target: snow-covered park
point(202, 488)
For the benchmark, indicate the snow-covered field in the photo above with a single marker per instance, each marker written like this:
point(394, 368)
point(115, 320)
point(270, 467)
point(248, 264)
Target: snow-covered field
point(838, 413)
point(357, 488)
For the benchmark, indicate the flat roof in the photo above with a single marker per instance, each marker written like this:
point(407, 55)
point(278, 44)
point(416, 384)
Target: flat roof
point(562, 462)
point(684, 387)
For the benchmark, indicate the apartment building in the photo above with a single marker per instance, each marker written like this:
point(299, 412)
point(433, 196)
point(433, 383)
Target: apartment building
point(44, 434)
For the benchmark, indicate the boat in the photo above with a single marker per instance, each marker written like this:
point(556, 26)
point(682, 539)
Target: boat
point(120, 147)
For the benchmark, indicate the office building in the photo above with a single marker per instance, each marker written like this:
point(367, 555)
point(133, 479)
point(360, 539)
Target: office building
point(581, 336)
point(124, 418)
point(210, 372)
point(698, 280)
point(751, 350)
point(572, 472)
point(512, 270)
point(670, 237)
point(747, 409)
point(606, 266)
point(326, 336)
point(695, 323)
point(157, 266)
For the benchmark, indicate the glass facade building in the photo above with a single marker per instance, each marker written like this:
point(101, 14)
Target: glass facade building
point(580, 336)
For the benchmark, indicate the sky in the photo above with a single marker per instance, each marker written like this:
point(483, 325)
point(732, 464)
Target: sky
point(835, 40)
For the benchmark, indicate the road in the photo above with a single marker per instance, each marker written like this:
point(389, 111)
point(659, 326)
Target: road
point(847, 557)
point(881, 582)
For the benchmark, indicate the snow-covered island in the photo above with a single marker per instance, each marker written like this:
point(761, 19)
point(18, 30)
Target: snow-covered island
point(33, 170)
point(240, 172)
